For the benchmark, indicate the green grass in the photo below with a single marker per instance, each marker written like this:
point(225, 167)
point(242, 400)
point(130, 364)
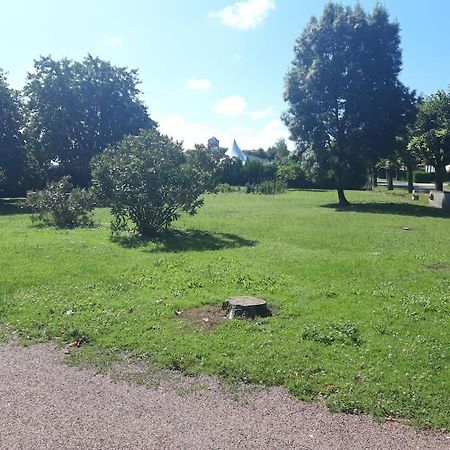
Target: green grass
point(361, 303)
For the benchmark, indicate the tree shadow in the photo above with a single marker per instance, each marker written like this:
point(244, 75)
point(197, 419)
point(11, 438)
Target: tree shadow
point(173, 241)
point(11, 206)
point(400, 209)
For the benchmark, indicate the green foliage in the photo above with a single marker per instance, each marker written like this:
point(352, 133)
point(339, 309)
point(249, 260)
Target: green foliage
point(293, 174)
point(235, 173)
point(150, 181)
point(346, 104)
point(267, 187)
point(61, 205)
point(428, 177)
point(278, 151)
point(431, 134)
point(97, 105)
point(11, 139)
point(225, 187)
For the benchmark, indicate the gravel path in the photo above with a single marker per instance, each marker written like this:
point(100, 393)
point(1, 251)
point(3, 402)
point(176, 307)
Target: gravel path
point(46, 404)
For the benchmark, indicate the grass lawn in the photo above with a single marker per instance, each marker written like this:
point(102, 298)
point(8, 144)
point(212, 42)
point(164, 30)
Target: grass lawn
point(361, 302)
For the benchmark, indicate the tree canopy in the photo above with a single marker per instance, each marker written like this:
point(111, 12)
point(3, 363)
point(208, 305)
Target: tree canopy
point(431, 134)
point(346, 103)
point(11, 139)
point(76, 109)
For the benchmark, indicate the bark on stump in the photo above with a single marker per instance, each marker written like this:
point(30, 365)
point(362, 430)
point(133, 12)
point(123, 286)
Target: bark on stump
point(246, 307)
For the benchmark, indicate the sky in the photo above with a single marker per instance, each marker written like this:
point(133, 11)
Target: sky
point(208, 67)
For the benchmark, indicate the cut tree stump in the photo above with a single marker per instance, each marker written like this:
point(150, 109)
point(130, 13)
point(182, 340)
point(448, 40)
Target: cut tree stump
point(246, 307)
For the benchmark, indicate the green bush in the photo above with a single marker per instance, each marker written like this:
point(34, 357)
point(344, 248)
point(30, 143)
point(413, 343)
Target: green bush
point(61, 205)
point(428, 177)
point(423, 177)
point(148, 180)
point(225, 187)
point(266, 188)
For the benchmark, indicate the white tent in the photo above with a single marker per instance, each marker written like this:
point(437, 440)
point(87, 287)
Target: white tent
point(236, 152)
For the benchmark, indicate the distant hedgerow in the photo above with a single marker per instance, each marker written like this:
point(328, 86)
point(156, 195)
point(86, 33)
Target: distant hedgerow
point(267, 187)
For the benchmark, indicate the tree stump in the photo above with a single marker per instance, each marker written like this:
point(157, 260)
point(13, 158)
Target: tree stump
point(246, 307)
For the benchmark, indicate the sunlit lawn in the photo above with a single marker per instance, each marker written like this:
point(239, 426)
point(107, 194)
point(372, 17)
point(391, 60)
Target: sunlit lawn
point(360, 296)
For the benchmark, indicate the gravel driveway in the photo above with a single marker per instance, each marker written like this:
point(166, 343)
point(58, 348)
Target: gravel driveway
point(46, 404)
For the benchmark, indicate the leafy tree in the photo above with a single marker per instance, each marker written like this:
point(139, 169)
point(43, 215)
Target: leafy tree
point(278, 151)
point(11, 139)
point(150, 181)
point(61, 205)
point(77, 109)
point(431, 134)
point(346, 103)
point(293, 174)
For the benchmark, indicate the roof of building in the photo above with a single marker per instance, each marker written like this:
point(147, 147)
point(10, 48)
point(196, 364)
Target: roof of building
point(236, 152)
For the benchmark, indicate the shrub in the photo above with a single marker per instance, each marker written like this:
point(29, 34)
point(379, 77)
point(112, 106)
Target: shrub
point(61, 205)
point(266, 187)
point(150, 181)
point(225, 187)
point(428, 177)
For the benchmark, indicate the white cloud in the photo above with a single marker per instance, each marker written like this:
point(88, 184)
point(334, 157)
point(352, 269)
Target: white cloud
point(245, 15)
point(261, 113)
point(252, 138)
point(180, 129)
point(199, 84)
point(230, 106)
point(248, 138)
point(114, 41)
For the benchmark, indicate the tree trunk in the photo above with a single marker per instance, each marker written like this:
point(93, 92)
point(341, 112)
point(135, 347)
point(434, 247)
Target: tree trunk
point(342, 200)
point(375, 178)
point(410, 179)
point(439, 177)
point(390, 179)
point(246, 307)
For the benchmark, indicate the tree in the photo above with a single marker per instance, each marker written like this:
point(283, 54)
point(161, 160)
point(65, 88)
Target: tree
point(278, 151)
point(77, 109)
point(431, 134)
point(11, 139)
point(346, 103)
point(150, 181)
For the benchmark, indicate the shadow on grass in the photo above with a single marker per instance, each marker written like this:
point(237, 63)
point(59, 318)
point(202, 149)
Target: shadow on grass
point(184, 241)
point(11, 206)
point(402, 209)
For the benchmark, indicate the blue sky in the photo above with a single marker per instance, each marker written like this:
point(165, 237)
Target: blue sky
point(208, 67)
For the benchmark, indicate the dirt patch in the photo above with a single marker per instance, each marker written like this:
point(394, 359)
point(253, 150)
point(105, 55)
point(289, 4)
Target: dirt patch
point(205, 316)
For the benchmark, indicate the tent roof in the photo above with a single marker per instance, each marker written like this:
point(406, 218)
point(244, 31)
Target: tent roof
point(236, 152)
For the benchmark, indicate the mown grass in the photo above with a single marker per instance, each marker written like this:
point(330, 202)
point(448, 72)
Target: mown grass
point(361, 295)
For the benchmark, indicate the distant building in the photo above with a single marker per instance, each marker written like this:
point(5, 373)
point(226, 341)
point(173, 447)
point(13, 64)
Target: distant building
point(213, 143)
point(236, 152)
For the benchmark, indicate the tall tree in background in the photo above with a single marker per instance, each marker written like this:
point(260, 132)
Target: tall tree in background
point(431, 134)
point(278, 151)
point(11, 139)
point(77, 109)
point(346, 104)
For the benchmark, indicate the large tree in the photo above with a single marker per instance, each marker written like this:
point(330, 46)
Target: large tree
point(77, 109)
point(11, 139)
point(431, 134)
point(346, 104)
